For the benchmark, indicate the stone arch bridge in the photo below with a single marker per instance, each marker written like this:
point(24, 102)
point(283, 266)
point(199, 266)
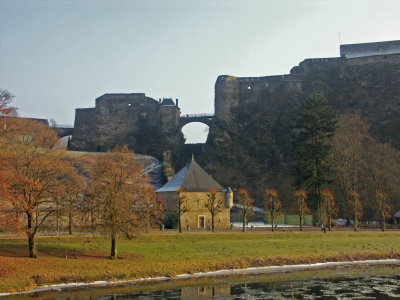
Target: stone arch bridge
point(191, 118)
point(65, 130)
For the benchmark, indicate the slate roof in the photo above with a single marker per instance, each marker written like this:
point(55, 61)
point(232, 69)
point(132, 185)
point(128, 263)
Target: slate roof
point(191, 178)
point(167, 102)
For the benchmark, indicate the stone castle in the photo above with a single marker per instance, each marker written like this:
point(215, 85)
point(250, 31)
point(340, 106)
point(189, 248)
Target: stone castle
point(120, 118)
point(364, 73)
point(232, 92)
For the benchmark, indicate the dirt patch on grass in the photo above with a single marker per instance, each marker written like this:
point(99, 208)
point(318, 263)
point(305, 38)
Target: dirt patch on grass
point(69, 254)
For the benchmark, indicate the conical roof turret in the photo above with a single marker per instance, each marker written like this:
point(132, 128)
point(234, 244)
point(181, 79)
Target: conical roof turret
point(191, 178)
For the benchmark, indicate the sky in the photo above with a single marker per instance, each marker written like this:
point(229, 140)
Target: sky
point(59, 55)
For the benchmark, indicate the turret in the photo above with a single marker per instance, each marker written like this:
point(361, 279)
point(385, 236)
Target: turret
point(169, 115)
point(228, 198)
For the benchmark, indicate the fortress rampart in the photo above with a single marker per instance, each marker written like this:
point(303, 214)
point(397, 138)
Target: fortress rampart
point(364, 78)
point(232, 92)
point(124, 119)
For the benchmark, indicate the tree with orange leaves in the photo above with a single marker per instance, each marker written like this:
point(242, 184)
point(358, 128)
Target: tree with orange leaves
point(70, 191)
point(151, 209)
point(9, 219)
point(120, 193)
point(30, 166)
point(245, 204)
point(329, 206)
point(382, 207)
point(5, 102)
point(272, 205)
point(300, 205)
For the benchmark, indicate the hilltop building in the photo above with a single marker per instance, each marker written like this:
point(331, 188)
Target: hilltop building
point(136, 120)
point(195, 184)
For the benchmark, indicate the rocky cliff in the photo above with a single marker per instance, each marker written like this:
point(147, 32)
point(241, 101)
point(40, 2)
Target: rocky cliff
point(250, 140)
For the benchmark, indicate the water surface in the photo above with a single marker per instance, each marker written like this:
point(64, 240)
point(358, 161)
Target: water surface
point(340, 283)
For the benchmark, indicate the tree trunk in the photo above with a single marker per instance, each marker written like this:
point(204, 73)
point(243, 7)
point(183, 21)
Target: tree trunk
point(57, 220)
point(329, 223)
point(212, 222)
point(31, 237)
point(355, 223)
point(319, 205)
point(113, 246)
point(244, 223)
point(272, 223)
point(383, 223)
point(301, 222)
point(70, 222)
point(92, 219)
point(180, 224)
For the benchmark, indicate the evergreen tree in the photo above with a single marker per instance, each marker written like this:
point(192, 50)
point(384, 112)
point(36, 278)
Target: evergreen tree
point(315, 125)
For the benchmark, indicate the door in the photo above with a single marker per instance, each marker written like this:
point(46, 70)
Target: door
point(202, 222)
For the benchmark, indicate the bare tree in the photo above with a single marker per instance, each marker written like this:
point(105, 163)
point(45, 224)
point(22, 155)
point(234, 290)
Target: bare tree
point(300, 205)
point(355, 208)
point(273, 205)
point(349, 144)
point(382, 207)
point(245, 205)
point(181, 207)
point(214, 205)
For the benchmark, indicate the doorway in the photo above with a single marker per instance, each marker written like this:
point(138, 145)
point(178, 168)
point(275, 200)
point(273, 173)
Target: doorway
point(202, 222)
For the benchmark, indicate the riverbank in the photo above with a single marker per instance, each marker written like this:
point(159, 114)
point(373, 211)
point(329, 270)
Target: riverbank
point(219, 273)
point(83, 258)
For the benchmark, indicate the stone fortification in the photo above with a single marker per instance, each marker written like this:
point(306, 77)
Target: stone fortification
point(364, 78)
point(251, 138)
point(357, 83)
point(369, 49)
point(133, 119)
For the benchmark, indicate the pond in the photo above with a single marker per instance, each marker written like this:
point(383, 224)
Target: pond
point(340, 283)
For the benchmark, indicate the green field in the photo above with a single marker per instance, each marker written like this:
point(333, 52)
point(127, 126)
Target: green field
point(84, 257)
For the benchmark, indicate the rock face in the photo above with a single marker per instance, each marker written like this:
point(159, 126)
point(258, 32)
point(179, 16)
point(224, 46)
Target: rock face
point(153, 168)
point(250, 140)
point(144, 124)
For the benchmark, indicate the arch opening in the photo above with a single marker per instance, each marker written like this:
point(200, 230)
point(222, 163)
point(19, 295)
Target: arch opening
point(195, 133)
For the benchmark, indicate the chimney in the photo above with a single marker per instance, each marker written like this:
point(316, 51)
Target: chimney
point(159, 101)
point(177, 103)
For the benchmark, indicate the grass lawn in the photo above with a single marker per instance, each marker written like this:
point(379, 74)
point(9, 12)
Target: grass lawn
point(84, 257)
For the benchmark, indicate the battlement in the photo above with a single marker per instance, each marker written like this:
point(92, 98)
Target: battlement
point(116, 96)
point(369, 49)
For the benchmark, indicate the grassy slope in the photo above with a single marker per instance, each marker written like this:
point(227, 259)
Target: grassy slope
point(83, 258)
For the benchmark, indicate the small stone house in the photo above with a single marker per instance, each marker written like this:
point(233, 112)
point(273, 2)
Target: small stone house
point(195, 184)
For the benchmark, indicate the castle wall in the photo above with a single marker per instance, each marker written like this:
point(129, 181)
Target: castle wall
point(132, 119)
point(169, 118)
point(233, 92)
point(369, 49)
point(85, 130)
point(120, 116)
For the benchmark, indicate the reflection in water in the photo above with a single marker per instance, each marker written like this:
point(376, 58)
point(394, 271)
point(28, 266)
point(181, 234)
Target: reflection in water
point(205, 292)
point(366, 283)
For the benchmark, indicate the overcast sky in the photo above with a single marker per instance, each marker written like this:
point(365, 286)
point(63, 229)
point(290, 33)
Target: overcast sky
point(58, 55)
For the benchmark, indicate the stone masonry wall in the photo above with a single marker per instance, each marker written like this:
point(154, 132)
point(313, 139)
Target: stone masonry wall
point(196, 202)
point(133, 119)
